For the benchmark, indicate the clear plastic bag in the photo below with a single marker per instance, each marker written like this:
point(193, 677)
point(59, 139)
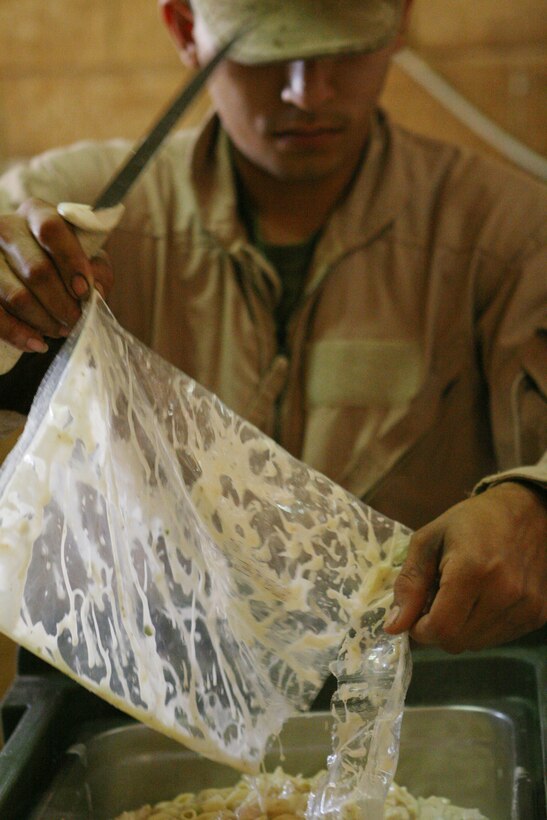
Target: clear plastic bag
point(373, 672)
point(171, 558)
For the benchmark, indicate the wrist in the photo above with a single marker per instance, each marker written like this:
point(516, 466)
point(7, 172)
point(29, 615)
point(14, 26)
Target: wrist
point(529, 491)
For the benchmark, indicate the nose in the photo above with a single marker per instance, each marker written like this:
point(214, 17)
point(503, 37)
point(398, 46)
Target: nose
point(308, 84)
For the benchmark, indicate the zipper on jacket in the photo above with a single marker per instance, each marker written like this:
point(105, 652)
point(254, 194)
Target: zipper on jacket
point(281, 356)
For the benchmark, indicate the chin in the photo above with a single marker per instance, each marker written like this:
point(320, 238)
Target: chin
point(303, 168)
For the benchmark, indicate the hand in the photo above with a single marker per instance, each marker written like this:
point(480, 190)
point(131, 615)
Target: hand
point(44, 272)
point(477, 575)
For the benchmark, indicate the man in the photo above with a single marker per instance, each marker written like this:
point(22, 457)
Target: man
point(372, 299)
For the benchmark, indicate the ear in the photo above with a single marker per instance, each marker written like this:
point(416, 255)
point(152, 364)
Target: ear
point(179, 19)
point(405, 21)
point(406, 14)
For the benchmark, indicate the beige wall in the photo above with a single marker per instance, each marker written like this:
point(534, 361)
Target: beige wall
point(492, 51)
point(460, 23)
point(70, 69)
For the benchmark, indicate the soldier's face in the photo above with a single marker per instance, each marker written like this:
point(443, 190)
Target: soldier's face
point(301, 119)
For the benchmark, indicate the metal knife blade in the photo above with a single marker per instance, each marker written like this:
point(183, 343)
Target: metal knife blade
point(124, 178)
point(93, 223)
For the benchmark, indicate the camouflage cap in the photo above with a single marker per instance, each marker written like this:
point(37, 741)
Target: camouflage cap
point(293, 29)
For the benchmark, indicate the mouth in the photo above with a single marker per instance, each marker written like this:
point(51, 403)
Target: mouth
point(316, 135)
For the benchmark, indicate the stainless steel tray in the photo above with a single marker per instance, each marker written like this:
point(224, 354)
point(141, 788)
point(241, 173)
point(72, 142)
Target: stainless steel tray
point(467, 754)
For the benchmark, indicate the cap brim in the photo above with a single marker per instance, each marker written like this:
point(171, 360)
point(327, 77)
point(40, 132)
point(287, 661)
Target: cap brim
point(293, 29)
point(247, 52)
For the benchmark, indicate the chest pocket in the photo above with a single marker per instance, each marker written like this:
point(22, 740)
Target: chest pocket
point(364, 372)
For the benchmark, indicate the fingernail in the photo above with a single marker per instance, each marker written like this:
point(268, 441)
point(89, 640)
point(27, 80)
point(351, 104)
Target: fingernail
point(36, 346)
point(392, 617)
point(79, 285)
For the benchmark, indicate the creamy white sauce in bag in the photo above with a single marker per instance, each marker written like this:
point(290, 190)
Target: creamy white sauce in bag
point(174, 560)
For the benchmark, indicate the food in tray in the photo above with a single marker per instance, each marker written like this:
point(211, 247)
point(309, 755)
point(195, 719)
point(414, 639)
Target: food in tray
point(285, 797)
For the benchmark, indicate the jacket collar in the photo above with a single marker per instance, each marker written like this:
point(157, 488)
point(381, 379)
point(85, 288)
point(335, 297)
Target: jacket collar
point(380, 190)
point(214, 186)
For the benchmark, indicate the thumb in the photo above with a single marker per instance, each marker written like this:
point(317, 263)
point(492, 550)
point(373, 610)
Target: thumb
point(416, 582)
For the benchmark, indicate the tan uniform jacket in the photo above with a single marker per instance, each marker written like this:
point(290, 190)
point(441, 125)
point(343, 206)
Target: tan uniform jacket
point(417, 362)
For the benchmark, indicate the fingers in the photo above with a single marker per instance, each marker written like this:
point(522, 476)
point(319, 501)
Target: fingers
point(477, 575)
point(476, 632)
point(59, 240)
point(448, 623)
point(103, 275)
point(20, 335)
point(467, 608)
point(416, 581)
point(504, 606)
point(31, 289)
point(33, 292)
point(44, 273)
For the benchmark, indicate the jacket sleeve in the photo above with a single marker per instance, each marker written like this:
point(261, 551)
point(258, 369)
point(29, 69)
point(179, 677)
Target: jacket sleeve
point(514, 331)
point(76, 173)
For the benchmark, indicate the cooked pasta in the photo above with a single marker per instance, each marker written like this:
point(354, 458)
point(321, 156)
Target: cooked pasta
point(281, 796)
